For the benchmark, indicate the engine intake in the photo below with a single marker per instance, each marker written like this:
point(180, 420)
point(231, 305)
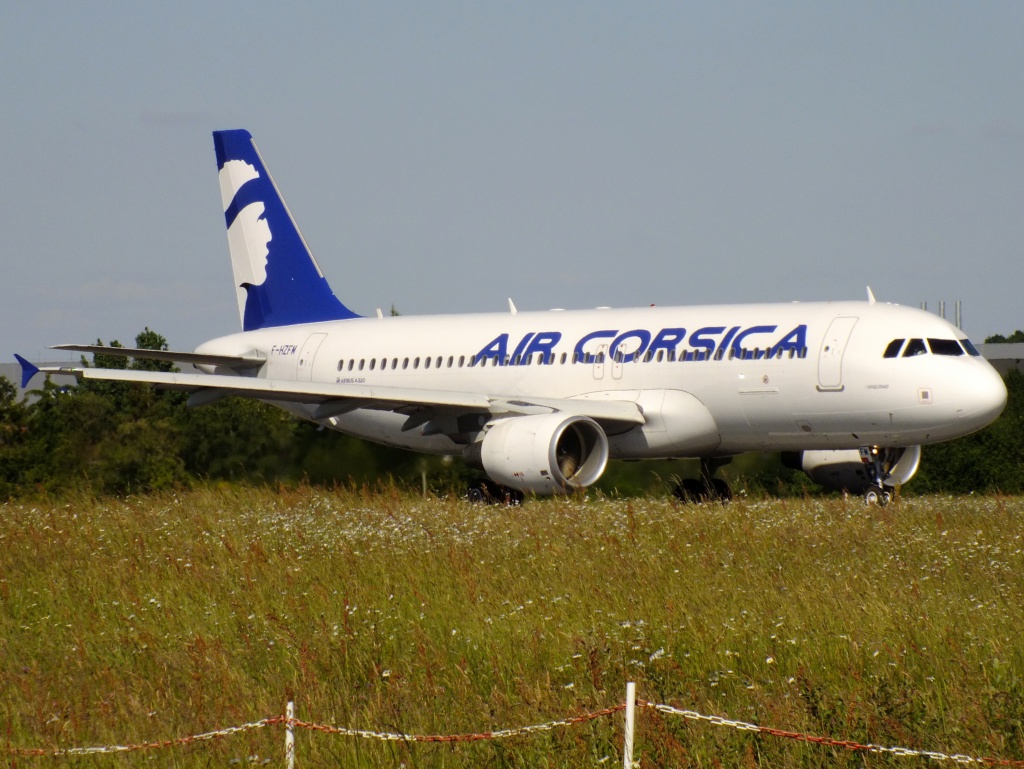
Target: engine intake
point(546, 453)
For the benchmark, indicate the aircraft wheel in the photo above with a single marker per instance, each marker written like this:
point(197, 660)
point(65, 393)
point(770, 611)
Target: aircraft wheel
point(876, 495)
point(721, 490)
point(692, 491)
point(511, 497)
point(490, 493)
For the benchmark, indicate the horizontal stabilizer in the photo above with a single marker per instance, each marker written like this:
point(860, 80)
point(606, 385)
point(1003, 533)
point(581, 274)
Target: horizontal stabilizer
point(228, 361)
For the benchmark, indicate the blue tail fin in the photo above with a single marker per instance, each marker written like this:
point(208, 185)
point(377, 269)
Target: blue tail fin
point(279, 282)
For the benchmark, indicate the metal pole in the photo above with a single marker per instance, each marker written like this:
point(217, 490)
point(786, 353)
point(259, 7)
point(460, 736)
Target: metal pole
point(289, 737)
point(627, 748)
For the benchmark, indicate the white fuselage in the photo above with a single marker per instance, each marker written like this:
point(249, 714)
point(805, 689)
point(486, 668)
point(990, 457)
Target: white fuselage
point(771, 376)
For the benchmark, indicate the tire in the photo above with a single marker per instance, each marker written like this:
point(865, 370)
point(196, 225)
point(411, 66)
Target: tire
point(692, 491)
point(877, 496)
point(721, 490)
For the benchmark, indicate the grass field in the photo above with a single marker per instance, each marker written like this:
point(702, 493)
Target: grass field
point(162, 616)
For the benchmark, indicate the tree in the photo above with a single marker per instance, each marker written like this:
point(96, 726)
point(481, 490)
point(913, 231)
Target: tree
point(1015, 338)
point(15, 456)
point(238, 439)
point(989, 460)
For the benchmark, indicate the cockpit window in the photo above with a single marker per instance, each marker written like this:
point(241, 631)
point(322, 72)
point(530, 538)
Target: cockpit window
point(971, 349)
point(915, 347)
point(893, 350)
point(945, 347)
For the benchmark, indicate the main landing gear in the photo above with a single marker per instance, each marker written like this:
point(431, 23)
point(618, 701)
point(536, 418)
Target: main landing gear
point(490, 493)
point(706, 488)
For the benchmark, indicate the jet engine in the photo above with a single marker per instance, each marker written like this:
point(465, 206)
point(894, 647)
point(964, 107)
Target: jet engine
point(845, 470)
point(545, 453)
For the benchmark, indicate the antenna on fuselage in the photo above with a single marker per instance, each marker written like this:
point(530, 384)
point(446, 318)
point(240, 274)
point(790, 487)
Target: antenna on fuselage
point(871, 296)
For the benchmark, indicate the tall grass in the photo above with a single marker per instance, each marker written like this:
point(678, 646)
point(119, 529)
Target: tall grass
point(155, 617)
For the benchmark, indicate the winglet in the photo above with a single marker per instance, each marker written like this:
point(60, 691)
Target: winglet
point(871, 296)
point(28, 370)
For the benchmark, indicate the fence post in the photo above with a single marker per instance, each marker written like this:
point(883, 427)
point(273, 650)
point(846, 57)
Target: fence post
point(289, 736)
point(627, 748)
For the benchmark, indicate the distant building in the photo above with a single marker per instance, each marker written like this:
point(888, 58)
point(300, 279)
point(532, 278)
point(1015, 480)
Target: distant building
point(1003, 356)
point(12, 372)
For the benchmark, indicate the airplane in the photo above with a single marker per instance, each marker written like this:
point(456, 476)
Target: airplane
point(848, 391)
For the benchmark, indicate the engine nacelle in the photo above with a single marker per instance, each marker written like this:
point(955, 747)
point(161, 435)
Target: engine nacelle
point(545, 453)
point(843, 470)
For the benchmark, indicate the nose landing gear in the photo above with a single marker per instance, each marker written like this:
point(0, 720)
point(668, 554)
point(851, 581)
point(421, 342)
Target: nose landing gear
point(879, 462)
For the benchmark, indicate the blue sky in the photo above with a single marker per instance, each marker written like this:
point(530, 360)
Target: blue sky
point(444, 156)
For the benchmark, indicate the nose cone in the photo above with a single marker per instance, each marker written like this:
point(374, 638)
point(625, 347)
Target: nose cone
point(984, 397)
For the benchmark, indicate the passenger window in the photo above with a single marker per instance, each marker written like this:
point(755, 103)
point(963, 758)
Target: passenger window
point(451, 360)
point(341, 365)
point(351, 363)
point(426, 363)
point(893, 350)
point(462, 361)
point(915, 347)
point(362, 362)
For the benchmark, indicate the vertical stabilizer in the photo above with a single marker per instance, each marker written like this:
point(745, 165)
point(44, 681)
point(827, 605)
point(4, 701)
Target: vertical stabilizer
point(277, 279)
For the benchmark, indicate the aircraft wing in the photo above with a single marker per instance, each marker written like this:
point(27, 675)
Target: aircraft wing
point(336, 399)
